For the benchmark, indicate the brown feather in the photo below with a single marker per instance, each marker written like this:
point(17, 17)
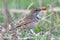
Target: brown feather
point(28, 19)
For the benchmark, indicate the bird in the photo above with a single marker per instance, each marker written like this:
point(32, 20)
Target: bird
point(31, 20)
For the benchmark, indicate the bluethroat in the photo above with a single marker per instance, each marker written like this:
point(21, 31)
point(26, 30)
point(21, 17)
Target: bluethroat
point(31, 20)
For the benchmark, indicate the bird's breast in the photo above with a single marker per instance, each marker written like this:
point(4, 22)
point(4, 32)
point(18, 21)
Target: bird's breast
point(31, 25)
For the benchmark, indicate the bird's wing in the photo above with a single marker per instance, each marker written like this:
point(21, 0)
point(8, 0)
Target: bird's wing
point(24, 22)
point(28, 19)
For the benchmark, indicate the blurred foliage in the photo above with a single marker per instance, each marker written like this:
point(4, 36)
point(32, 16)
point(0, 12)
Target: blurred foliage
point(1, 17)
point(24, 4)
point(47, 37)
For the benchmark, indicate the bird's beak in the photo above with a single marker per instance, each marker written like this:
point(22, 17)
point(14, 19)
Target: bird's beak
point(43, 8)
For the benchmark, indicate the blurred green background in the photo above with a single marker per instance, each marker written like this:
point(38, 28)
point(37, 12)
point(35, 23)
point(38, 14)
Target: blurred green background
point(24, 4)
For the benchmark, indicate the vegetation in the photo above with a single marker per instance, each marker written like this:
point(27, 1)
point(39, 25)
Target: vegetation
point(51, 23)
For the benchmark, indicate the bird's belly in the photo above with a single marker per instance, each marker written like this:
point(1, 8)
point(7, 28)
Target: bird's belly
point(31, 25)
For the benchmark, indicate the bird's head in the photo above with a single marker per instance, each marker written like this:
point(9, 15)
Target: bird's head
point(36, 11)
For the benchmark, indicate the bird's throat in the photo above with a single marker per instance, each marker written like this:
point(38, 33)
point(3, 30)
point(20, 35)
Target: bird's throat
point(37, 15)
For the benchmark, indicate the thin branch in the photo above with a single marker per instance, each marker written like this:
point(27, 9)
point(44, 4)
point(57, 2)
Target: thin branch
point(8, 20)
point(57, 9)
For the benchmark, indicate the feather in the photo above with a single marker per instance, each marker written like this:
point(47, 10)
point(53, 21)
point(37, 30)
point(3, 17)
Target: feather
point(30, 20)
